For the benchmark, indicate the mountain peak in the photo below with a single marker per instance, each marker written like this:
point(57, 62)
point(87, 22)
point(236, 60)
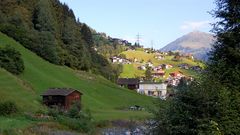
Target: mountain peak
point(197, 32)
point(198, 43)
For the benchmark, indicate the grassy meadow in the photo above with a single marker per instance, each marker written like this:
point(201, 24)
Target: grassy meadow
point(104, 99)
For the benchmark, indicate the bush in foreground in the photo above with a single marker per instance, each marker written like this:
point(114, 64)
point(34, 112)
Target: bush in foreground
point(11, 60)
point(8, 108)
point(75, 118)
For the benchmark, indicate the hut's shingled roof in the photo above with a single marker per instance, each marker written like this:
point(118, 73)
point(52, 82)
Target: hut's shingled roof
point(59, 92)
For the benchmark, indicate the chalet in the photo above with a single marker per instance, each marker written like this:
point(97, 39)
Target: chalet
point(188, 56)
point(119, 60)
point(159, 73)
point(157, 68)
point(196, 68)
point(153, 89)
point(167, 66)
point(135, 60)
point(130, 83)
point(142, 67)
point(149, 64)
point(174, 78)
point(176, 74)
point(116, 59)
point(159, 57)
point(61, 97)
point(184, 66)
point(173, 81)
point(177, 58)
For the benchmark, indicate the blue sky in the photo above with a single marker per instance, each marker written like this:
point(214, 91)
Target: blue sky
point(158, 22)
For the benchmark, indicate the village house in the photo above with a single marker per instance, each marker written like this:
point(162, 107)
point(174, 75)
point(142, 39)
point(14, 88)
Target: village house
point(142, 67)
point(157, 68)
point(174, 78)
point(135, 60)
point(130, 83)
point(159, 73)
point(188, 56)
point(119, 60)
point(196, 68)
point(166, 66)
point(158, 56)
point(176, 74)
point(173, 81)
point(184, 66)
point(153, 89)
point(169, 66)
point(61, 97)
point(149, 64)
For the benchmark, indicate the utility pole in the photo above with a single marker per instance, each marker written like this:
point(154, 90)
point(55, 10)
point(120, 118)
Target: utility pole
point(138, 39)
point(152, 44)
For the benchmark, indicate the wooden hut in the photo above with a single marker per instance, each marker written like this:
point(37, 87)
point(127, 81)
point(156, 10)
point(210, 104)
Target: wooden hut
point(130, 83)
point(61, 97)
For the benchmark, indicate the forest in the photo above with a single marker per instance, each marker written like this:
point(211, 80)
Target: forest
point(50, 29)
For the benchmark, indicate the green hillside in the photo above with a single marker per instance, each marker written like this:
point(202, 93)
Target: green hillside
point(132, 71)
point(14, 89)
point(103, 98)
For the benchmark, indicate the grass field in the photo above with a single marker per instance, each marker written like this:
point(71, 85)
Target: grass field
point(132, 71)
point(100, 96)
point(7, 123)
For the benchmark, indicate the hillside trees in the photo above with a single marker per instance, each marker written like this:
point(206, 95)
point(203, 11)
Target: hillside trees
point(50, 29)
point(45, 24)
point(87, 35)
point(75, 53)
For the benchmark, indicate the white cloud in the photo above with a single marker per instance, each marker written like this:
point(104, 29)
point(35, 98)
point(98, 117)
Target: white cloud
point(190, 25)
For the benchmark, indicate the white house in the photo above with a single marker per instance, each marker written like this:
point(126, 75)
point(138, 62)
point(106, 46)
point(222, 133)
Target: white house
point(153, 89)
point(142, 67)
point(168, 66)
point(119, 60)
point(150, 64)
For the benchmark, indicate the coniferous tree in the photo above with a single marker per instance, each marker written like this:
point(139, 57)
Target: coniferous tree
point(211, 105)
point(148, 74)
point(87, 35)
point(224, 65)
point(43, 18)
point(45, 24)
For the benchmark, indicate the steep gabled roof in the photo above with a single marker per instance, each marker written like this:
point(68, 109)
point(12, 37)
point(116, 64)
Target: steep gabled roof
point(59, 92)
point(124, 81)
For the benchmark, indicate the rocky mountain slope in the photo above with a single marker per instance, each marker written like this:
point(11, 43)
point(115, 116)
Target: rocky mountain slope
point(197, 43)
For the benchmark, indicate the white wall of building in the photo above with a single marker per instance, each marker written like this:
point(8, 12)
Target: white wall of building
point(153, 89)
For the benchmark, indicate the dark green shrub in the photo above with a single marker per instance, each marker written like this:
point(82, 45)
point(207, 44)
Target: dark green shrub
point(8, 108)
point(75, 110)
point(11, 60)
point(75, 118)
point(82, 124)
point(55, 112)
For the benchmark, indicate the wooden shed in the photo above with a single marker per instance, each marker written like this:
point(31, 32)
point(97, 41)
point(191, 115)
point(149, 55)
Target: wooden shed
point(130, 83)
point(61, 97)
